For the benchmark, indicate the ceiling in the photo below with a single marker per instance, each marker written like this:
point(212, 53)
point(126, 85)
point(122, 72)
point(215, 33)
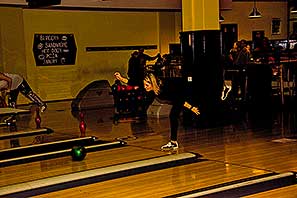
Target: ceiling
point(143, 4)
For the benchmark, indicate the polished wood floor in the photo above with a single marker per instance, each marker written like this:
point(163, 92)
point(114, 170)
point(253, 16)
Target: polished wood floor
point(245, 145)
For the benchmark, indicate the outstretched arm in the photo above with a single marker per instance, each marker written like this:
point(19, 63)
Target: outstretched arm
point(192, 108)
point(150, 58)
point(119, 77)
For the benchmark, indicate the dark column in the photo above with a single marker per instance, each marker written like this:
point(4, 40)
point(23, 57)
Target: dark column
point(202, 53)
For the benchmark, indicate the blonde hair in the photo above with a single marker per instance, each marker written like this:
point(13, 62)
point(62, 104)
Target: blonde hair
point(154, 82)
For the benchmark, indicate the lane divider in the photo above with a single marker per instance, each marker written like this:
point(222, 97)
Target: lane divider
point(243, 188)
point(51, 184)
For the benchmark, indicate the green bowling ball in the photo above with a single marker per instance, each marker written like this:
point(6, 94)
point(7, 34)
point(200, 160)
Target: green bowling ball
point(78, 153)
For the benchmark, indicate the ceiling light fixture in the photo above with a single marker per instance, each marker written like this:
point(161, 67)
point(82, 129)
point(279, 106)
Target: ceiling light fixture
point(255, 13)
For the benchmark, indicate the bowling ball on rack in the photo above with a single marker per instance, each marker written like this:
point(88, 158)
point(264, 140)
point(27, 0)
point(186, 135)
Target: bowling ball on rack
point(78, 153)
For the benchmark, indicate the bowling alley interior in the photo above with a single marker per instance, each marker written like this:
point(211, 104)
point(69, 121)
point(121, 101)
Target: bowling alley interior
point(74, 123)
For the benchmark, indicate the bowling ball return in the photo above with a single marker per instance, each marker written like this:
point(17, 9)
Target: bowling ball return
point(130, 102)
point(95, 95)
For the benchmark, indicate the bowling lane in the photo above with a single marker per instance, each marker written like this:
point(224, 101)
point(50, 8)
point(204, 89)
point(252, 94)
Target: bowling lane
point(236, 151)
point(62, 121)
point(163, 182)
point(287, 192)
point(58, 166)
point(65, 125)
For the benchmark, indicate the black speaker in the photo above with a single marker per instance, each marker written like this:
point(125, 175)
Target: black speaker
point(41, 3)
point(201, 51)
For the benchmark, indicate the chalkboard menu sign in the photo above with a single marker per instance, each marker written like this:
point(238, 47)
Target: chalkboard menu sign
point(54, 49)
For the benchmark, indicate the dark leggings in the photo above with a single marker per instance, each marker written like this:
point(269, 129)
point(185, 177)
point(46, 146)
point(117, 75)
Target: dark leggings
point(174, 116)
point(177, 106)
point(24, 88)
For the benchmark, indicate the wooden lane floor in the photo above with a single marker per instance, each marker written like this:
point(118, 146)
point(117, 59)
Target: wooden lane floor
point(26, 133)
point(160, 183)
point(64, 165)
point(287, 192)
point(232, 152)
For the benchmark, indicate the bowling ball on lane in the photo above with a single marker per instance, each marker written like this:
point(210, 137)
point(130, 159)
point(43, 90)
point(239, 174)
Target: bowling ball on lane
point(78, 153)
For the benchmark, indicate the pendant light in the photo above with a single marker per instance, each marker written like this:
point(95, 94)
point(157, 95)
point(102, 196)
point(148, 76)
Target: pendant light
point(255, 13)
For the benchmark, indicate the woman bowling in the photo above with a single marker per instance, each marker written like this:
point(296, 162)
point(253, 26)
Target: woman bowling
point(177, 98)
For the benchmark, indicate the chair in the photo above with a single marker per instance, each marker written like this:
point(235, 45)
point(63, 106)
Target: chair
point(3, 98)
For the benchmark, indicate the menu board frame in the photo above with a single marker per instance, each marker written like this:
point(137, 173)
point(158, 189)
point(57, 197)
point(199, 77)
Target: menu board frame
point(54, 49)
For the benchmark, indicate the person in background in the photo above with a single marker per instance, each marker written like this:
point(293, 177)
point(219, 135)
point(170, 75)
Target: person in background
point(137, 67)
point(248, 48)
point(258, 41)
point(159, 65)
point(176, 96)
point(135, 70)
point(233, 53)
point(143, 58)
point(243, 55)
point(13, 84)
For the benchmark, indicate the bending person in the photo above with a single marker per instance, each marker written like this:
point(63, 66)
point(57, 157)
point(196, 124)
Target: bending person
point(14, 84)
point(176, 99)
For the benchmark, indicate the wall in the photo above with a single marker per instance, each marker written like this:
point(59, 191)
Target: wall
point(147, 4)
point(12, 56)
point(241, 10)
point(103, 29)
point(91, 29)
point(170, 26)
